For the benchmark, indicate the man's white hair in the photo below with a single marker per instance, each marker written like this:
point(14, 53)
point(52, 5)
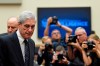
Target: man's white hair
point(26, 15)
point(80, 28)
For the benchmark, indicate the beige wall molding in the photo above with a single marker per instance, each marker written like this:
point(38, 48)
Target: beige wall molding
point(4, 2)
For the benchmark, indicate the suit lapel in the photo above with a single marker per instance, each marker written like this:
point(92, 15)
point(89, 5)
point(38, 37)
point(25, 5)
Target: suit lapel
point(17, 48)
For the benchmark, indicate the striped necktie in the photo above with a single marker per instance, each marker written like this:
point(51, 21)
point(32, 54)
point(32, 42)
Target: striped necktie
point(27, 53)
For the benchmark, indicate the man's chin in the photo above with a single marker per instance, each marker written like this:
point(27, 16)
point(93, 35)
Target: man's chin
point(27, 37)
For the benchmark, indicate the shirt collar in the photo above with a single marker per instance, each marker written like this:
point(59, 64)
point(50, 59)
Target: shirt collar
point(21, 39)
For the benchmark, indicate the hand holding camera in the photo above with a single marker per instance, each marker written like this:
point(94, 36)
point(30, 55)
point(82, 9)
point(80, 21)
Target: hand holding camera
point(91, 45)
point(48, 47)
point(62, 59)
point(52, 20)
point(41, 48)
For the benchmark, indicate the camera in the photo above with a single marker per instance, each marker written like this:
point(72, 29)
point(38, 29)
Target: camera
point(54, 20)
point(48, 47)
point(60, 57)
point(72, 38)
point(91, 45)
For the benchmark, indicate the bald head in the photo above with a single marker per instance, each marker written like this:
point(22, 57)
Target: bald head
point(12, 25)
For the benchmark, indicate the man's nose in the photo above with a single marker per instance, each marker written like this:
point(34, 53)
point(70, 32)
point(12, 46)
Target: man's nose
point(10, 29)
point(30, 29)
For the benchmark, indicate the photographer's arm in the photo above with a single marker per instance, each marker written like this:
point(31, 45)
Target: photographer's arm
point(40, 54)
point(46, 31)
point(96, 48)
point(87, 60)
point(70, 53)
point(97, 52)
point(54, 58)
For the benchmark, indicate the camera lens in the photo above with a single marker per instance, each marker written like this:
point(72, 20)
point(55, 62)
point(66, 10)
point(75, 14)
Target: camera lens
point(72, 38)
point(91, 45)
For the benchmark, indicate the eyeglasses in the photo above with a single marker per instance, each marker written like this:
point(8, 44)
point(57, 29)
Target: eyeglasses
point(28, 26)
point(80, 34)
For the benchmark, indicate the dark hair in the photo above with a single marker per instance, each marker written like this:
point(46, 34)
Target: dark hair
point(92, 32)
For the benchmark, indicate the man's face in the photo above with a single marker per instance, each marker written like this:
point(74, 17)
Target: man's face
point(56, 35)
point(12, 25)
point(81, 36)
point(27, 28)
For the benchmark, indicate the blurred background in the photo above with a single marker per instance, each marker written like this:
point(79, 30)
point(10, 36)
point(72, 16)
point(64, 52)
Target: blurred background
point(10, 8)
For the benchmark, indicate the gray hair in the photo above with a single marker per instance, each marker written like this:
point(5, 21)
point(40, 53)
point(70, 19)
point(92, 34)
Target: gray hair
point(25, 15)
point(80, 28)
point(60, 48)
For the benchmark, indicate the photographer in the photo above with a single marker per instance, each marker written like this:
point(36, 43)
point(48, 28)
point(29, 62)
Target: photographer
point(95, 51)
point(45, 52)
point(77, 50)
point(55, 35)
point(59, 57)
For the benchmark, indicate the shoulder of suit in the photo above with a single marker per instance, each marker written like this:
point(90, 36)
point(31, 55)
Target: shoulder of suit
point(3, 34)
point(31, 40)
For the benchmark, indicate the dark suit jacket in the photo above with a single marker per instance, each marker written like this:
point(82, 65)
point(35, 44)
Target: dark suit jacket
point(3, 34)
point(10, 51)
point(47, 57)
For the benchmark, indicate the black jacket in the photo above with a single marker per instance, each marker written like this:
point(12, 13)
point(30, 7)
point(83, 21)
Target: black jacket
point(10, 51)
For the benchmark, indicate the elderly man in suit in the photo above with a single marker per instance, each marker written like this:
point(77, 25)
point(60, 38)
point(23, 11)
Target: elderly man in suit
point(12, 25)
point(17, 49)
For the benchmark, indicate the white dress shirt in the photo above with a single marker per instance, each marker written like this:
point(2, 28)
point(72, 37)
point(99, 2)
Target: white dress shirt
point(22, 44)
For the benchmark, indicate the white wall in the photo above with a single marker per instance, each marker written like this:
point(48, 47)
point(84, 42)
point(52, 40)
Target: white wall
point(7, 11)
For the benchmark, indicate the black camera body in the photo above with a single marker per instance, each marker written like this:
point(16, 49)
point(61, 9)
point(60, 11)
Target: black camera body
point(91, 45)
point(48, 47)
point(54, 20)
point(72, 38)
point(60, 57)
